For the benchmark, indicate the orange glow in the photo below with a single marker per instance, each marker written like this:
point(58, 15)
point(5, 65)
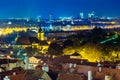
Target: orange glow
point(6, 31)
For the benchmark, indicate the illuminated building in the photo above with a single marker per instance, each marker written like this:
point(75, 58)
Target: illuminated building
point(82, 15)
point(38, 42)
point(33, 62)
point(6, 31)
point(91, 15)
point(38, 19)
point(41, 36)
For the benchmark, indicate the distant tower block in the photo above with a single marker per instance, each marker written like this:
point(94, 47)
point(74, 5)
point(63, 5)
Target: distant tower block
point(41, 36)
point(38, 19)
point(81, 15)
point(91, 15)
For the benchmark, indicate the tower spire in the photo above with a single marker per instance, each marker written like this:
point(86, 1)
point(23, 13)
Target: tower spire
point(40, 34)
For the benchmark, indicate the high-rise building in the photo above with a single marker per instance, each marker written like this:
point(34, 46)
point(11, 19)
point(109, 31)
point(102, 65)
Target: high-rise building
point(81, 15)
point(50, 18)
point(50, 21)
point(91, 15)
point(38, 18)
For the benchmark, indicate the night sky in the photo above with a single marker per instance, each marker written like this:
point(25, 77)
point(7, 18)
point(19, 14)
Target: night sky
point(34, 8)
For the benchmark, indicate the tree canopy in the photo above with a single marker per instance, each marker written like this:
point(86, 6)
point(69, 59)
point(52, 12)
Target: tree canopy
point(55, 49)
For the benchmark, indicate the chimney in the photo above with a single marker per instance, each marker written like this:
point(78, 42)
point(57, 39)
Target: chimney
point(118, 66)
point(70, 65)
point(6, 78)
point(81, 61)
point(107, 77)
point(99, 69)
point(74, 65)
point(89, 75)
point(45, 67)
point(41, 79)
point(14, 73)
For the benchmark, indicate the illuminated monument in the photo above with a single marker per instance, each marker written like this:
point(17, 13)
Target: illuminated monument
point(40, 34)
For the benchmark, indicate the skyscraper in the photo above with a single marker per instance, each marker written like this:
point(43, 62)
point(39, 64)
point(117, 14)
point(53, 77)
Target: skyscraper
point(91, 15)
point(81, 15)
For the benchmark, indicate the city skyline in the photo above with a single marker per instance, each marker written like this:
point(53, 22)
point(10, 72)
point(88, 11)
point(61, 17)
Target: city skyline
point(44, 8)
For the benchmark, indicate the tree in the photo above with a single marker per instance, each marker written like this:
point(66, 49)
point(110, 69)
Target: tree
point(97, 34)
point(32, 75)
point(31, 51)
point(68, 43)
point(68, 50)
point(111, 48)
point(92, 52)
point(55, 49)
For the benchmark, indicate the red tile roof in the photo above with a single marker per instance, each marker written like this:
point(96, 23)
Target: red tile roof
point(63, 76)
point(28, 75)
point(17, 77)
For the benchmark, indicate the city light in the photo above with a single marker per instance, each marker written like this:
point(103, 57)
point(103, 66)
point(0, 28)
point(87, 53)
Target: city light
point(59, 40)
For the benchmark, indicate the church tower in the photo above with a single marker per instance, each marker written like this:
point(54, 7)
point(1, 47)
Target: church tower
point(40, 34)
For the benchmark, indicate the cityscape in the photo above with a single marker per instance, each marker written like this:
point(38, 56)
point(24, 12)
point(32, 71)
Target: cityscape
point(59, 40)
